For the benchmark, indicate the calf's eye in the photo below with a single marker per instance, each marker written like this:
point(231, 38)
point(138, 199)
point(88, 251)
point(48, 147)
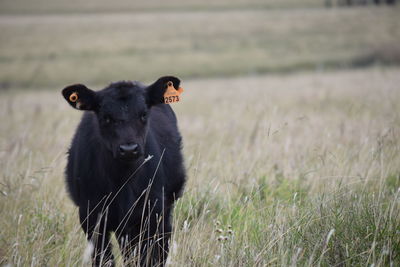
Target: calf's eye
point(143, 117)
point(107, 120)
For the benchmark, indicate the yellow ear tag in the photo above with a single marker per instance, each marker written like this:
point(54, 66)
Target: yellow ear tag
point(73, 97)
point(171, 95)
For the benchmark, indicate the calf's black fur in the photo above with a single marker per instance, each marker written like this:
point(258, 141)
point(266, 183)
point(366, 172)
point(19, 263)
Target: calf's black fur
point(125, 169)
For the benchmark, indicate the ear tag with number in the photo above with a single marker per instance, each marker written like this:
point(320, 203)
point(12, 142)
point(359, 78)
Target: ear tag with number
point(172, 95)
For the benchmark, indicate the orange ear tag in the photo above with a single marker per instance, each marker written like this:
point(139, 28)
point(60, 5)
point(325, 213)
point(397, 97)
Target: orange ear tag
point(172, 95)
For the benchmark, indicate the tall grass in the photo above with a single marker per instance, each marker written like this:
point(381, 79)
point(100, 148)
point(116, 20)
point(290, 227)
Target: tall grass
point(283, 170)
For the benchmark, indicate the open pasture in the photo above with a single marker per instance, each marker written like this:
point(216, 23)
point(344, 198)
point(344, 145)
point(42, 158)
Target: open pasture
point(290, 119)
point(52, 50)
point(299, 169)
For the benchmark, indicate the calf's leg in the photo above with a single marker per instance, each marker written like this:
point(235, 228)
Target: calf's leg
point(94, 224)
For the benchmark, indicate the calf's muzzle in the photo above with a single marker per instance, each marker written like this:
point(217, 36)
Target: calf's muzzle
point(129, 150)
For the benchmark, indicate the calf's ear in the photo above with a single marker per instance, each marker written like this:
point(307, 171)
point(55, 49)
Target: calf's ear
point(155, 92)
point(80, 97)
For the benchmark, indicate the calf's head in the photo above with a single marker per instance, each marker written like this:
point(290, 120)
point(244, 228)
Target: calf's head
point(122, 110)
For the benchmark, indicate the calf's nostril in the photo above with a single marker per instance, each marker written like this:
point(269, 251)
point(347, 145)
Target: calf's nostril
point(134, 148)
point(129, 148)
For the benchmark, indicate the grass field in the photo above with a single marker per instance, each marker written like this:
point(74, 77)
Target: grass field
point(104, 6)
point(291, 148)
point(304, 168)
point(52, 50)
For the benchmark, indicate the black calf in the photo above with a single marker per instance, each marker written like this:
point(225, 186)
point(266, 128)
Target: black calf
point(125, 168)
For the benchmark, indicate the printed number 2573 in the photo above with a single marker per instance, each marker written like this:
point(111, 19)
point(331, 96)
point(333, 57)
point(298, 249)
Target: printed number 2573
point(171, 99)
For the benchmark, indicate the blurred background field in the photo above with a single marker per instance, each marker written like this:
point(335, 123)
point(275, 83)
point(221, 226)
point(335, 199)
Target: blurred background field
point(93, 6)
point(89, 45)
point(290, 119)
